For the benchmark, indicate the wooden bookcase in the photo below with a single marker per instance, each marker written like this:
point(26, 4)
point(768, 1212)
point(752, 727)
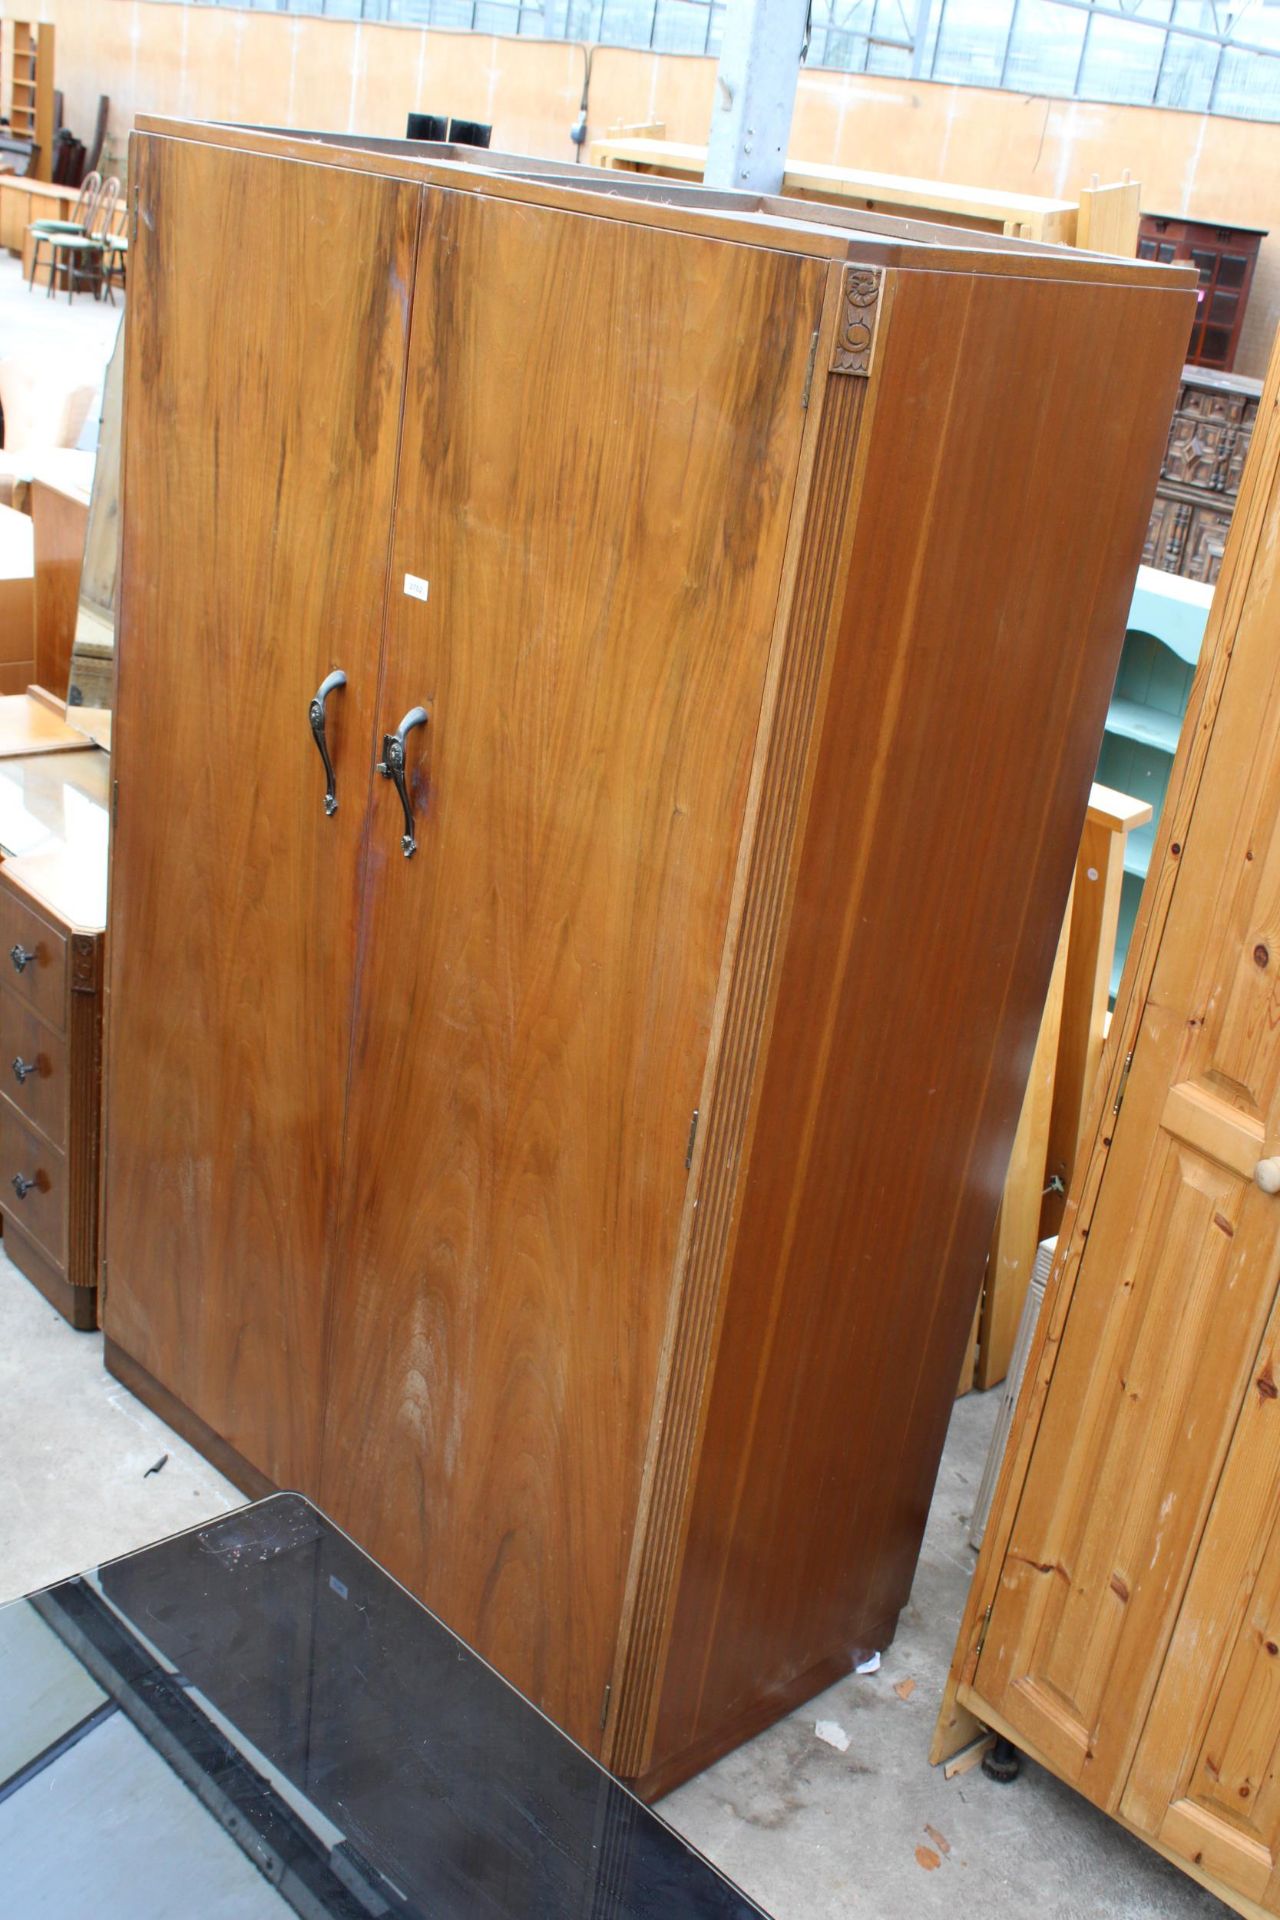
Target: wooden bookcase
point(29, 103)
point(1224, 258)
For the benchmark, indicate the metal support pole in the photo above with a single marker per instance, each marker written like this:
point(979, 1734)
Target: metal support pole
point(920, 37)
point(755, 93)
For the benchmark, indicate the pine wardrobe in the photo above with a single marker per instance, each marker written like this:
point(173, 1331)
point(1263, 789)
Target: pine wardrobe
point(1124, 1621)
point(608, 689)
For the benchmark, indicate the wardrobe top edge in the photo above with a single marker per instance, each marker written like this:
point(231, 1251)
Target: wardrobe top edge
point(812, 227)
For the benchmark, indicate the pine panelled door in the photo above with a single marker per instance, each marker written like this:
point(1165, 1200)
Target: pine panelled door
point(558, 1126)
point(1124, 1624)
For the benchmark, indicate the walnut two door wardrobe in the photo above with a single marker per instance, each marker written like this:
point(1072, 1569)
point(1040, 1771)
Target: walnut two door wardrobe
point(560, 1127)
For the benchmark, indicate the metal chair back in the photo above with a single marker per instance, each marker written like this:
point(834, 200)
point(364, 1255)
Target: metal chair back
point(99, 222)
point(86, 201)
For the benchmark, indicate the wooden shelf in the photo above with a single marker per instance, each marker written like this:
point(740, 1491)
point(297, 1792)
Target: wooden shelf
point(30, 92)
point(1165, 630)
point(1147, 725)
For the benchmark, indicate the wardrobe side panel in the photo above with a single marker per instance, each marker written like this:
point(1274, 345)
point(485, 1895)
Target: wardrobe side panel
point(1017, 438)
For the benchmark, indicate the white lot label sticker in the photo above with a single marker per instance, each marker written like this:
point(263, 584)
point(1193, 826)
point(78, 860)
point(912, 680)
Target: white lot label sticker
point(415, 588)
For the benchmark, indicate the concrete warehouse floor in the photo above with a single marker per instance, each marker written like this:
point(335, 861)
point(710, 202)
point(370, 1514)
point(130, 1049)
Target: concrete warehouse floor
point(873, 1833)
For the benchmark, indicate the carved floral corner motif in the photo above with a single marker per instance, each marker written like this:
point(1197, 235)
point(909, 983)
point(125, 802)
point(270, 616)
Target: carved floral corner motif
point(84, 963)
point(856, 330)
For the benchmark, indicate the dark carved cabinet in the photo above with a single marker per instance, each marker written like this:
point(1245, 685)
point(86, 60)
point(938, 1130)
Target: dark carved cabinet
point(1209, 437)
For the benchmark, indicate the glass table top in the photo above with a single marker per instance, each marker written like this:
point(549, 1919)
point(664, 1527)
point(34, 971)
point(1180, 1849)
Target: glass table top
point(54, 800)
point(251, 1719)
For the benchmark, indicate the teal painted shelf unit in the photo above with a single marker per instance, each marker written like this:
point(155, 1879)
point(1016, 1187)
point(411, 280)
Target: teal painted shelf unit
point(1162, 644)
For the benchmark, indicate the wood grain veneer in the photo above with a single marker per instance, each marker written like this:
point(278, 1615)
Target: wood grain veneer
point(862, 1220)
point(766, 639)
point(59, 519)
point(592, 626)
point(270, 442)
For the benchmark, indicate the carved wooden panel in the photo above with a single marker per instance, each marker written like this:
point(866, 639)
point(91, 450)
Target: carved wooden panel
point(1166, 533)
point(1206, 541)
point(1215, 403)
point(1197, 452)
point(855, 337)
point(1208, 441)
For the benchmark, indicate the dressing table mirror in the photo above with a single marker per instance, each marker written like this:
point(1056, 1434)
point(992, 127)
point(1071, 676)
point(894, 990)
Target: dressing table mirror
point(91, 669)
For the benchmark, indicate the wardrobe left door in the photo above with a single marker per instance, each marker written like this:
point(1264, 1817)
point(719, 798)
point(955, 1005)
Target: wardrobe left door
point(267, 336)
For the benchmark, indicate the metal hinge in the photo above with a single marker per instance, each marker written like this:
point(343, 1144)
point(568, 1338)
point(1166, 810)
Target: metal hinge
point(808, 372)
point(133, 216)
point(693, 1134)
point(1124, 1081)
point(115, 801)
point(982, 1632)
point(604, 1705)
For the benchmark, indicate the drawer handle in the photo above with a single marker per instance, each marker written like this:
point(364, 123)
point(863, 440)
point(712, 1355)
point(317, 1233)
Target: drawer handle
point(391, 767)
point(315, 713)
point(22, 1186)
point(23, 1069)
point(22, 957)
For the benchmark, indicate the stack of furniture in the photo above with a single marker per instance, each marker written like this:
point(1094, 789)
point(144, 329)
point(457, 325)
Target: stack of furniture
point(1103, 218)
point(1123, 1623)
point(30, 105)
point(1209, 437)
point(543, 1124)
point(1060, 1082)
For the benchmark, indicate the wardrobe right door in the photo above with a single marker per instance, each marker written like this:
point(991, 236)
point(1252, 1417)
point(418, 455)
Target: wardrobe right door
point(602, 434)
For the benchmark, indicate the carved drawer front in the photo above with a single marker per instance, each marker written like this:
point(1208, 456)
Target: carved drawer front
point(33, 1185)
point(1213, 405)
point(33, 1069)
point(1206, 543)
point(33, 956)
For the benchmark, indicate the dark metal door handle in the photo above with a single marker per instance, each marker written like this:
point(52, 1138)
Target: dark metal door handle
point(22, 1186)
point(21, 957)
point(315, 713)
point(391, 767)
point(23, 1069)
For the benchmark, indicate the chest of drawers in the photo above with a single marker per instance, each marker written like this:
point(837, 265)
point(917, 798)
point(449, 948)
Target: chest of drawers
point(51, 946)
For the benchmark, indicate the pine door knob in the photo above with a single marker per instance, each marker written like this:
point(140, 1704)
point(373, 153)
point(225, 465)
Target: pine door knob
point(1267, 1175)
